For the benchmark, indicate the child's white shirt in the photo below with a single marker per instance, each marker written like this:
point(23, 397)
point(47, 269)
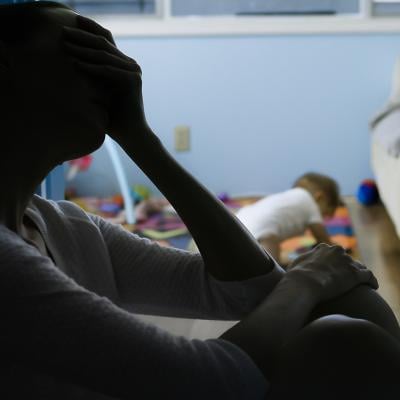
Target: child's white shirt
point(285, 215)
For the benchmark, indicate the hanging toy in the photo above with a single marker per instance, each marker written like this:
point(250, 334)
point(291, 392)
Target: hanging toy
point(79, 165)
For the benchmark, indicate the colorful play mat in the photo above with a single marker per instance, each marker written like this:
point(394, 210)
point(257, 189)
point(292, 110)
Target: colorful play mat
point(167, 229)
point(339, 228)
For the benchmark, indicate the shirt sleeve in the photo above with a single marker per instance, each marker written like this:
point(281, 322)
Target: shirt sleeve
point(169, 282)
point(314, 214)
point(51, 324)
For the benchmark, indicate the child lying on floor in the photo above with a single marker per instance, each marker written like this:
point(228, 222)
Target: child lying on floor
point(281, 216)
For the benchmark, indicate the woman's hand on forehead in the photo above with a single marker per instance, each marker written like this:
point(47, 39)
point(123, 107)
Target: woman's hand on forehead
point(91, 26)
point(93, 51)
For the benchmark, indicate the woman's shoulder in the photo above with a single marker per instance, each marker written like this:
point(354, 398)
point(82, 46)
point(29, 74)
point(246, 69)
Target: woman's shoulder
point(7, 235)
point(55, 216)
point(50, 213)
point(64, 207)
point(61, 212)
point(13, 248)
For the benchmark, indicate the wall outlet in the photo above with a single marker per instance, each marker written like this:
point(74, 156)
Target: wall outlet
point(182, 138)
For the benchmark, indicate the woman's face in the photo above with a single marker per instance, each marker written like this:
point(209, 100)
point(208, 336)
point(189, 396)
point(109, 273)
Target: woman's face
point(55, 103)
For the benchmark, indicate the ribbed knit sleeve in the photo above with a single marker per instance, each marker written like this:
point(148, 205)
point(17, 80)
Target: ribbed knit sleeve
point(164, 281)
point(51, 324)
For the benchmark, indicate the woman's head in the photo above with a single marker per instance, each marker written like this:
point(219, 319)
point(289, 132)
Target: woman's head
point(45, 100)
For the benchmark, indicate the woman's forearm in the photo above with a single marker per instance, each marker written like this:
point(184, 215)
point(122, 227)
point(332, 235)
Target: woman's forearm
point(290, 307)
point(273, 323)
point(230, 253)
point(322, 282)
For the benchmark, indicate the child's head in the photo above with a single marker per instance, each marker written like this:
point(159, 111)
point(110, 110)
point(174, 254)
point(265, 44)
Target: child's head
point(324, 189)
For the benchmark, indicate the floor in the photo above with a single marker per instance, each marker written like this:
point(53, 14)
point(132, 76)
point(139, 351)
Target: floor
point(379, 248)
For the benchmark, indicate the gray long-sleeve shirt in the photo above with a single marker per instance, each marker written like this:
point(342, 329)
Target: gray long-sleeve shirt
point(69, 329)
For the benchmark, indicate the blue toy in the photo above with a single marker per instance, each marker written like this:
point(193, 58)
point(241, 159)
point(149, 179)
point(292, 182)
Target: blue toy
point(110, 208)
point(367, 193)
point(140, 193)
point(136, 197)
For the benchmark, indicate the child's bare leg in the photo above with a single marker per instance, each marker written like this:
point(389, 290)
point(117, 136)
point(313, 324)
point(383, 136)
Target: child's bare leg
point(271, 243)
point(338, 358)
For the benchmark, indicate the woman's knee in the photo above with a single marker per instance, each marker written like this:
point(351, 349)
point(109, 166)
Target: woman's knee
point(361, 303)
point(338, 328)
point(335, 355)
point(339, 335)
point(341, 346)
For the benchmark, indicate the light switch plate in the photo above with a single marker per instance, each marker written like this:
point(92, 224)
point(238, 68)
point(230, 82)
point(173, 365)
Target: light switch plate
point(182, 138)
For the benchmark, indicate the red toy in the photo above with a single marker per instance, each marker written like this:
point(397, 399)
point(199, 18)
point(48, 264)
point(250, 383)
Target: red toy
point(79, 165)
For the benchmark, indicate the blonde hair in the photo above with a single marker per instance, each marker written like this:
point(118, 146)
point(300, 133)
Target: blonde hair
point(314, 181)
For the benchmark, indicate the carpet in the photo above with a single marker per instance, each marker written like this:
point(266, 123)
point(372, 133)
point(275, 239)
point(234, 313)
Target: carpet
point(339, 228)
point(167, 229)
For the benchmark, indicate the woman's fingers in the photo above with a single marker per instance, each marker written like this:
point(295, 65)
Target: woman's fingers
point(109, 73)
point(93, 41)
point(94, 51)
point(364, 274)
point(93, 27)
point(358, 264)
point(368, 277)
point(87, 38)
point(101, 57)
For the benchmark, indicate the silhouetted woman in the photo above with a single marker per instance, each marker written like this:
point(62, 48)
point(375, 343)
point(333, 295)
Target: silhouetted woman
point(70, 283)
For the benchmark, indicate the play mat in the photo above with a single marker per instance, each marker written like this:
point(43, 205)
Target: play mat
point(166, 228)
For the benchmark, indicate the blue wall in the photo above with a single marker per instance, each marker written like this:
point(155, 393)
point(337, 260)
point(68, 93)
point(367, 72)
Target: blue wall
point(262, 109)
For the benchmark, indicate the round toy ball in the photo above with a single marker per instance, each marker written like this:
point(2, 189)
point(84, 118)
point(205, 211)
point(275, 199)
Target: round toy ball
point(367, 193)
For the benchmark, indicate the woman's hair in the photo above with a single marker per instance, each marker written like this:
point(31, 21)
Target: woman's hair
point(314, 181)
point(17, 21)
